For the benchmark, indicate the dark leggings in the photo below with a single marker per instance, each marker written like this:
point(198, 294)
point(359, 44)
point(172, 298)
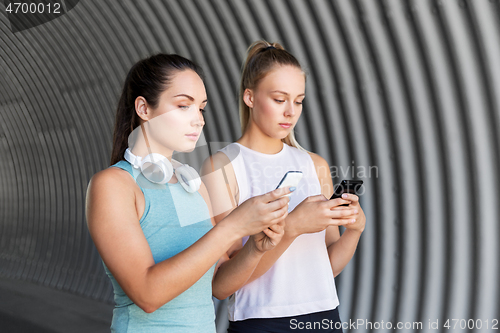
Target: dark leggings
point(325, 321)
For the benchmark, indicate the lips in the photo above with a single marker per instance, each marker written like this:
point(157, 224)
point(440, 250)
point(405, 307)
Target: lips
point(193, 136)
point(286, 125)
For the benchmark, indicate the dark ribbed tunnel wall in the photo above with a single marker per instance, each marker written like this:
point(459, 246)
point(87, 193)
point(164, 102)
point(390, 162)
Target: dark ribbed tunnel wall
point(405, 93)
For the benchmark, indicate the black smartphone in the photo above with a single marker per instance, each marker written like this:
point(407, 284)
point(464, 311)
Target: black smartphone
point(347, 186)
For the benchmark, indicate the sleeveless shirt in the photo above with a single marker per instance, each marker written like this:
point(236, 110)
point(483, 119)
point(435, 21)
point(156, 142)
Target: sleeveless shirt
point(173, 220)
point(301, 280)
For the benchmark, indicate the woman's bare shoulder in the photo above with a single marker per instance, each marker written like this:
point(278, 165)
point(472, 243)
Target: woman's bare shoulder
point(222, 186)
point(112, 176)
point(319, 162)
point(216, 161)
point(111, 184)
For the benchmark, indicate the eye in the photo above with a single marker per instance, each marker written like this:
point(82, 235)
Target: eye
point(202, 110)
point(184, 107)
point(279, 101)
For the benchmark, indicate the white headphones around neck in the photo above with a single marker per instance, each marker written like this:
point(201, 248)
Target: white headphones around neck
point(158, 169)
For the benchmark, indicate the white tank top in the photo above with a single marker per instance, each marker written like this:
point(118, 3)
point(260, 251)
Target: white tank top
point(301, 281)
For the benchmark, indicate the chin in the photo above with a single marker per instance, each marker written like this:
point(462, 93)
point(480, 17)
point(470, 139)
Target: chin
point(280, 136)
point(187, 148)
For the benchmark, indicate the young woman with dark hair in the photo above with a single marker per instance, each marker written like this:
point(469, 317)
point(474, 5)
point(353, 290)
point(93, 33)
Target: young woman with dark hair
point(150, 216)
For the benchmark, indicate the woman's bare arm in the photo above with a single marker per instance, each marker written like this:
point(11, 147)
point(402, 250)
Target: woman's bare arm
point(114, 226)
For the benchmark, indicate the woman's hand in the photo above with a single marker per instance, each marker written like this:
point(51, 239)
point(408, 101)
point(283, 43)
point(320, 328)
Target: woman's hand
point(268, 238)
point(262, 217)
point(258, 213)
point(316, 213)
point(360, 217)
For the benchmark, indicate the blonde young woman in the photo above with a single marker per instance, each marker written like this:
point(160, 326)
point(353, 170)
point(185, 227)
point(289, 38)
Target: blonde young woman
point(293, 283)
point(152, 228)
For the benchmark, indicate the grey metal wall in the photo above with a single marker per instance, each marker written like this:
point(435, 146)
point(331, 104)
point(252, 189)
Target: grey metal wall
point(405, 89)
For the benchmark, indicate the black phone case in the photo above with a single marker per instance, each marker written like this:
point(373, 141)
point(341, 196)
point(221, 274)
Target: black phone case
point(347, 186)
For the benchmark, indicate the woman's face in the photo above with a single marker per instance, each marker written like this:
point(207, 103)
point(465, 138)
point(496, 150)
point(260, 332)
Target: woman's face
point(276, 102)
point(176, 123)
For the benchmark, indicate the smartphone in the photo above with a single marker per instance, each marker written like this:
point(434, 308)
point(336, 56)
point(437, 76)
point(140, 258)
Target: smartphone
point(347, 186)
point(291, 178)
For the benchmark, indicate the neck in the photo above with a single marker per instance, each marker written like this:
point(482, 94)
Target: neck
point(257, 140)
point(139, 148)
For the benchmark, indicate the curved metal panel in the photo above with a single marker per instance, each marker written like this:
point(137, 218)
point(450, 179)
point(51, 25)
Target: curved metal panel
point(406, 91)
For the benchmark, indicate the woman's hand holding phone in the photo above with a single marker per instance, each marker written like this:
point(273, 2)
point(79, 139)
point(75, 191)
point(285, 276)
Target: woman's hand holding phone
point(316, 213)
point(260, 212)
point(360, 218)
point(348, 190)
point(268, 238)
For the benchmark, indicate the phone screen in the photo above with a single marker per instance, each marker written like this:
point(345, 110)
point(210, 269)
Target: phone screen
point(291, 178)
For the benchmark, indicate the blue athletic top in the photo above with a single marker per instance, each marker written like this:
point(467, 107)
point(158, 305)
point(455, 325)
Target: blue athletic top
point(173, 220)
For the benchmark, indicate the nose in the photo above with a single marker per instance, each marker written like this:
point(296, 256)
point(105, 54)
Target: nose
point(290, 110)
point(199, 120)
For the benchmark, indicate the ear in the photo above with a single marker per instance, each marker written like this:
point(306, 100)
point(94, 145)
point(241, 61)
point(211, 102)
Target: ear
point(142, 109)
point(248, 97)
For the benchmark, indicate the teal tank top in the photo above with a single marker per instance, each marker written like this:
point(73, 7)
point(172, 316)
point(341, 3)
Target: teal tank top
point(173, 220)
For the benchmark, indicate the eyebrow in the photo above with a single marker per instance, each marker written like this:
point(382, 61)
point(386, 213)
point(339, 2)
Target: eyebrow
point(188, 97)
point(285, 93)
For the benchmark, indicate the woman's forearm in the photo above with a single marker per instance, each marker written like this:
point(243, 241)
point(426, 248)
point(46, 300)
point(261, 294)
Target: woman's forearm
point(270, 257)
point(246, 266)
point(166, 280)
point(234, 273)
point(342, 251)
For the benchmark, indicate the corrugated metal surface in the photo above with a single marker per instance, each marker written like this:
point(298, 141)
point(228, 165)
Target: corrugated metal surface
point(409, 88)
